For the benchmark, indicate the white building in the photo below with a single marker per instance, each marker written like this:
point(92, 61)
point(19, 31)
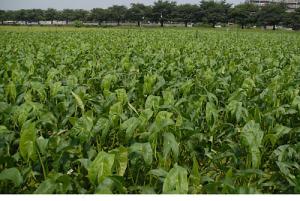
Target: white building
point(291, 4)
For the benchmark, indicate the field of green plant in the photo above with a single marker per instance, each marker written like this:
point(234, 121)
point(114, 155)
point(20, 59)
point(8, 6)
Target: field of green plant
point(149, 111)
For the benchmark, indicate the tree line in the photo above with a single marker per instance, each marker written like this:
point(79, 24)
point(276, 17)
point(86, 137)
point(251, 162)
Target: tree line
point(207, 12)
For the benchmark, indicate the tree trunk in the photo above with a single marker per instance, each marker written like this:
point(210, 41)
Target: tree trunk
point(67, 22)
point(243, 26)
point(139, 23)
point(119, 22)
point(99, 23)
point(274, 28)
point(185, 24)
point(51, 22)
point(161, 23)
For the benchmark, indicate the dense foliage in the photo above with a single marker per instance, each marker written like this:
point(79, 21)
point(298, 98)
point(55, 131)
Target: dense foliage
point(149, 111)
point(207, 12)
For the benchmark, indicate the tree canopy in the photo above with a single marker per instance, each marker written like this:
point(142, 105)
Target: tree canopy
point(162, 11)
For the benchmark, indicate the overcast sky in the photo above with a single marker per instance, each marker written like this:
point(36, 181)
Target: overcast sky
point(74, 4)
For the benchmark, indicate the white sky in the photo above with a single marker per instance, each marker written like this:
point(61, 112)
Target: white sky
point(83, 4)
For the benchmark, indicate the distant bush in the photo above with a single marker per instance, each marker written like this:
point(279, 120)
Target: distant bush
point(78, 23)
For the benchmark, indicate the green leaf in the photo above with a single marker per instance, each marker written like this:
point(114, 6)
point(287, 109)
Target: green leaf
point(82, 128)
point(115, 111)
point(121, 160)
point(211, 113)
point(28, 141)
point(12, 174)
point(79, 102)
point(152, 102)
point(3, 130)
point(168, 97)
point(252, 137)
point(296, 103)
point(149, 81)
point(162, 120)
point(42, 144)
point(236, 109)
point(46, 187)
point(278, 132)
point(130, 125)
point(170, 144)
point(122, 96)
point(158, 172)
point(143, 149)
point(145, 116)
point(176, 181)
point(11, 91)
point(101, 167)
point(102, 126)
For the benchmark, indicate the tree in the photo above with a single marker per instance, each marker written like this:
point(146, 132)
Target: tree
point(2, 16)
point(163, 11)
point(51, 15)
point(68, 15)
point(35, 15)
point(99, 15)
point(215, 12)
point(10, 15)
point(295, 19)
point(272, 14)
point(186, 13)
point(244, 14)
point(80, 14)
point(117, 13)
point(138, 12)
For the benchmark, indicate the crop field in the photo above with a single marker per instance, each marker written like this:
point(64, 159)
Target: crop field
point(150, 111)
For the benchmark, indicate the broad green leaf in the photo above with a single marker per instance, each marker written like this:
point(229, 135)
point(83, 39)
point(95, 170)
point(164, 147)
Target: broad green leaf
point(152, 102)
point(143, 149)
point(11, 91)
point(236, 109)
point(170, 144)
point(122, 96)
point(102, 126)
point(115, 111)
point(168, 97)
point(248, 84)
point(55, 88)
point(79, 102)
point(39, 89)
point(296, 103)
point(3, 130)
point(145, 116)
point(211, 113)
point(176, 181)
point(149, 81)
point(82, 128)
point(28, 141)
point(162, 120)
point(278, 132)
point(121, 159)
point(101, 167)
point(252, 137)
point(108, 81)
point(42, 144)
point(130, 126)
point(13, 175)
point(46, 187)
point(158, 172)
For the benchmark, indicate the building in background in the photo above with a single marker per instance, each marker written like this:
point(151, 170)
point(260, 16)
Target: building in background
point(291, 4)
